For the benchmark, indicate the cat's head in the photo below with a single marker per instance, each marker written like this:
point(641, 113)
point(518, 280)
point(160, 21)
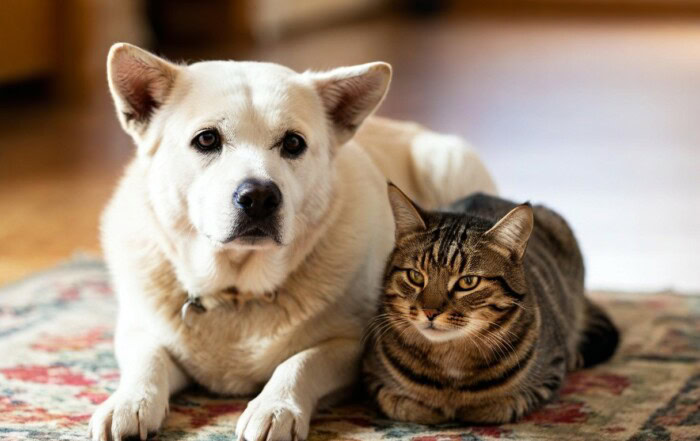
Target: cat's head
point(454, 275)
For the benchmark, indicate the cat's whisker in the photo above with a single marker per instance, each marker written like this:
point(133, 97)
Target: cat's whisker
point(504, 347)
point(490, 323)
point(377, 327)
point(477, 344)
point(496, 344)
point(521, 306)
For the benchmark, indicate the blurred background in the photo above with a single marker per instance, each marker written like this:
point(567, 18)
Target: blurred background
point(589, 106)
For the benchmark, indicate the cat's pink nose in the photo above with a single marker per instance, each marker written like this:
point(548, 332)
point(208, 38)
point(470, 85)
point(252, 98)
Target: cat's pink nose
point(431, 313)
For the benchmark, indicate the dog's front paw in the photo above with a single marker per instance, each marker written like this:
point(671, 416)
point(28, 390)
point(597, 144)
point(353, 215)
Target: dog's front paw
point(273, 418)
point(125, 414)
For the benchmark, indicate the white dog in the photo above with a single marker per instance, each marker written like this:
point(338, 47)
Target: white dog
point(248, 237)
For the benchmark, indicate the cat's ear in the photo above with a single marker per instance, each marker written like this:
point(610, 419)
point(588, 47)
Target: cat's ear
point(407, 215)
point(139, 82)
point(512, 232)
point(350, 94)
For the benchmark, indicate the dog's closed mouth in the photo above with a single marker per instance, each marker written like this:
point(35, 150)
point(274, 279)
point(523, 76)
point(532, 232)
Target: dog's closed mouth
point(255, 232)
point(255, 235)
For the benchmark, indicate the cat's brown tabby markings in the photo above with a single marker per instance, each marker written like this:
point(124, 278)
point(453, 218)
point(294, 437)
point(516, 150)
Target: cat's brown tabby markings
point(482, 315)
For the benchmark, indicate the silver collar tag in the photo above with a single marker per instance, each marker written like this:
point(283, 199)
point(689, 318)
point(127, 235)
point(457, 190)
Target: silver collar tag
point(270, 296)
point(192, 306)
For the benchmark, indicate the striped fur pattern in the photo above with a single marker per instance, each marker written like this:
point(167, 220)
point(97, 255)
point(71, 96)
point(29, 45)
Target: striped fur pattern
point(482, 315)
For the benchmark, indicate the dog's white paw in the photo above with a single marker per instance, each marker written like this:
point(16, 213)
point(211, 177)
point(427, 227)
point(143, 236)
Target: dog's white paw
point(127, 414)
point(273, 418)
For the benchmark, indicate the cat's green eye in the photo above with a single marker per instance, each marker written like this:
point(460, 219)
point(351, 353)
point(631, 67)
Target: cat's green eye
point(467, 283)
point(416, 278)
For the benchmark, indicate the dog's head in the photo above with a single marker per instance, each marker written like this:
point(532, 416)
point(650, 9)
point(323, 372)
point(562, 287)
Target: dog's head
point(240, 152)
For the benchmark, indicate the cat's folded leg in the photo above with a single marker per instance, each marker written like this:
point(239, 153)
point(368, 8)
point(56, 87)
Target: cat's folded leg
point(507, 409)
point(403, 408)
point(502, 410)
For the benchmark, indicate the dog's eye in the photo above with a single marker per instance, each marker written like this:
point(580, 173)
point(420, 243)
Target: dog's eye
point(293, 145)
point(207, 140)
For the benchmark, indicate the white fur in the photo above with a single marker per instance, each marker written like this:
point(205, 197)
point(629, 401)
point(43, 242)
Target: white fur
point(163, 232)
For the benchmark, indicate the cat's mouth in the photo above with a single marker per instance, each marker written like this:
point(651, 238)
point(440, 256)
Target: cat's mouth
point(431, 328)
point(432, 332)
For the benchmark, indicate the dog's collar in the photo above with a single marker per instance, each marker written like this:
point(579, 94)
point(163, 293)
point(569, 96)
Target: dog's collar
point(193, 304)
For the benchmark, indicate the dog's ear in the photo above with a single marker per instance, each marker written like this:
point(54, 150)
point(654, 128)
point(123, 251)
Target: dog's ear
point(350, 94)
point(140, 83)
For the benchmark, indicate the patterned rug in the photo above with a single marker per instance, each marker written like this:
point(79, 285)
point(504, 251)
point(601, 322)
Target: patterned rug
point(56, 365)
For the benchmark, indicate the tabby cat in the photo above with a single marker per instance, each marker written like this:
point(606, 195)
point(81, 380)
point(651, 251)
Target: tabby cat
point(483, 313)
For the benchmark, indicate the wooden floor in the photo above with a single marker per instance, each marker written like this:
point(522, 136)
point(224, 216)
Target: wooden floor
point(598, 118)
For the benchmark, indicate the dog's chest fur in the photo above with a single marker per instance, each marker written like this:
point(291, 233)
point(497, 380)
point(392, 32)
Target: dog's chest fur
point(240, 356)
point(234, 348)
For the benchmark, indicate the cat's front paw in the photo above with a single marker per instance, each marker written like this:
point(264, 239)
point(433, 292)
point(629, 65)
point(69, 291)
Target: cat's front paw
point(274, 418)
point(128, 414)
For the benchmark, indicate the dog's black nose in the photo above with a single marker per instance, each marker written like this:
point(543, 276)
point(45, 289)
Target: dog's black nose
point(258, 199)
